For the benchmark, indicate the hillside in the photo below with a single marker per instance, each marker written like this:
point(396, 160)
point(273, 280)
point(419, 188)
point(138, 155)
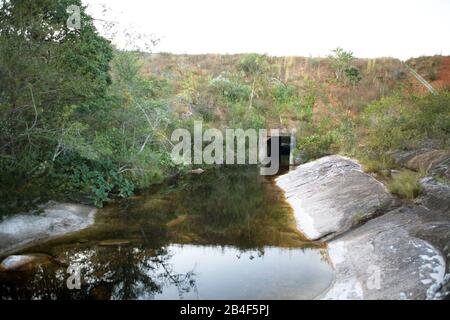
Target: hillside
point(379, 77)
point(435, 69)
point(309, 76)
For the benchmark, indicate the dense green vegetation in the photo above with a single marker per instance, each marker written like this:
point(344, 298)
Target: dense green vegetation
point(404, 122)
point(80, 120)
point(76, 118)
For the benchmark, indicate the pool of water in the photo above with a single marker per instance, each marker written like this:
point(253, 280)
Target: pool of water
point(225, 234)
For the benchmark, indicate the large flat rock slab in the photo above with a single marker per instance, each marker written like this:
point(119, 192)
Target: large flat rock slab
point(403, 254)
point(332, 194)
point(56, 219)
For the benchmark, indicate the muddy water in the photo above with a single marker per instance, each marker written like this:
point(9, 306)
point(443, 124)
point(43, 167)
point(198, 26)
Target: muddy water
point(223, 234)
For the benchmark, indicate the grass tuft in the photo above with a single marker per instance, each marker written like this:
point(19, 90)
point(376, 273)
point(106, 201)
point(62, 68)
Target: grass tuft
point(406, 184)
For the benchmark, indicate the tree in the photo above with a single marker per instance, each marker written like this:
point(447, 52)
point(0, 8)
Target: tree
point(52, 77)
point(46, 66)
point(254, 66)
point(340, 60)
point(353, 75)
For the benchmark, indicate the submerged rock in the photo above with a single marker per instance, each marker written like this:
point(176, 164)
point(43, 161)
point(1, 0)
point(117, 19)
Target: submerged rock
point(57, 219)
point(177, 221)
point(23, 262)
point(390, 258)
point(114, 242)
point(332, 194)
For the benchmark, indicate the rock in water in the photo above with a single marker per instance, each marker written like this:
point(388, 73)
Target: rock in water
point(19, 231)
point(23, 262)
point(332, 194)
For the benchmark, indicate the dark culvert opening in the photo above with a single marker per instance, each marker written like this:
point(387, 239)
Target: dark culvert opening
point(284, 150)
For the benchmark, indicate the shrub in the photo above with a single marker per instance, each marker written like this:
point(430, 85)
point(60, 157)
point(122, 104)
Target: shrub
point(253, 64)
point(304, 107)
point(230, 90)
point(398, 122)
point(380, 165)
point(314, 62)
point(431, 116)
point(282, 93)
point(98, 180)
point(406, 184)
point(353, 75)
point(316, 146)
point(340, 60)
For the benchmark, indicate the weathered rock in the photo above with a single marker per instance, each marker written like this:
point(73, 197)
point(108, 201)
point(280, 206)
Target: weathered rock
point(435, 195)
point(441, 168)
point(435, 162)
point(438, 234)
point(57, 219)
point(23, 262)
point(426, 160)
point(332, 194)
point(401, 157)
point(388, 258)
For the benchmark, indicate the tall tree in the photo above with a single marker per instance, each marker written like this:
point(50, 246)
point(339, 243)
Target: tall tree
point(46, 66)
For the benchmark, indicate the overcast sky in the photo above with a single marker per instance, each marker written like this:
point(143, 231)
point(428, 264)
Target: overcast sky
point(369, 28)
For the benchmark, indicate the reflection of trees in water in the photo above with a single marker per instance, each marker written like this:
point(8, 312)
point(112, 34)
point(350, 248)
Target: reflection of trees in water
point(106, 273)
point(224, 205)
point(227, 196)
point(251, 253)
point(234, 203)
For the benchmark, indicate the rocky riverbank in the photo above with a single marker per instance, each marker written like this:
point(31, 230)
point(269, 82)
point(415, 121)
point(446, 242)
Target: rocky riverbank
point(56, 219)
point(380, 248)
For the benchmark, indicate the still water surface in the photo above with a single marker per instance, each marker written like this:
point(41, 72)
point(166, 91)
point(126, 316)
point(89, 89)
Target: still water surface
point(224, 234)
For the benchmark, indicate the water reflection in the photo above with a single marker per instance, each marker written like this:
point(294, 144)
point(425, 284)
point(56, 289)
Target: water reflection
point(231, 205)
point(175, 272)
point(106, 273)
point(268, 273)
point(238, 238)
